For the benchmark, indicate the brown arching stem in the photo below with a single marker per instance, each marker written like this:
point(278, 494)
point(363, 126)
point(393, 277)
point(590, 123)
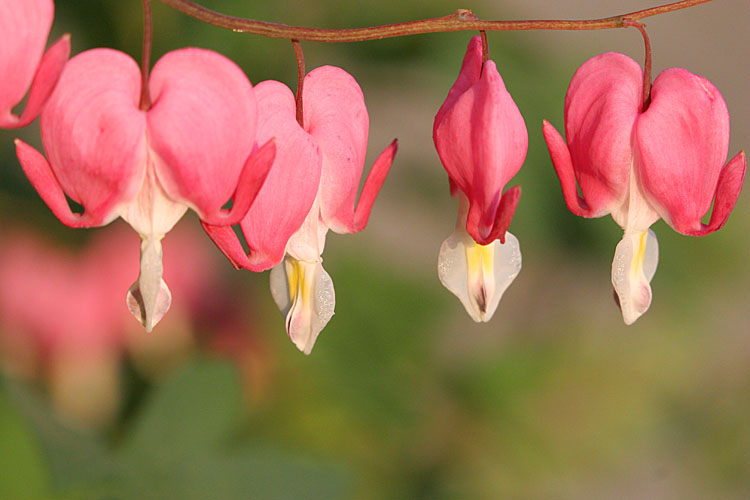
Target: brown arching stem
point(485, 49)
point(461, 20)
point(647, 75)
point(300, 80)
point(145, 103)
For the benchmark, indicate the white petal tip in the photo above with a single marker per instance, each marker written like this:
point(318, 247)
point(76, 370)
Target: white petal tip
point(304, 293)
point(633, 267)
point(149, 316)
point(478, 275)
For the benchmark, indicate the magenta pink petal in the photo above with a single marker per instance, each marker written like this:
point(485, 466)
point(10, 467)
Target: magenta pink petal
point(504, 214)
point(93, 132)
point(202, 125)
point(372, 186)
point(601, 107)
point(471, 69)
point(682, 139)
point(336, 116)
point(482, 141)
point(226, 239)
point(291, 186)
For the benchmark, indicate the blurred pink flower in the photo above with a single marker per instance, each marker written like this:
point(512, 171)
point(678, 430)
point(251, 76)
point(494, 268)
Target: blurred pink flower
point(481, 139)
point(667, 161)
point(61, 315)
point(312, 188)
point(24, 28)
point(191, 149)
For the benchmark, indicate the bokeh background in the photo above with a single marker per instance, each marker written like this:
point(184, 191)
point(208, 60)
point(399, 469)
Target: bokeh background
point(403, 396)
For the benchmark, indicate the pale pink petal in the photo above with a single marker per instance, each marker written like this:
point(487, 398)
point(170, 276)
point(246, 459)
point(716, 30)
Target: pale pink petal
point(253, 177)
point(202, 125)
point(24, 27)
point(94, 134)
point(45, 79)
point(336, 116)
point(40, 174)
point(601, 107)
point(291, 186)
point(683, 139)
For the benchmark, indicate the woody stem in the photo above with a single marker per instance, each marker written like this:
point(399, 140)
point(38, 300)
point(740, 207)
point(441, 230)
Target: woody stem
point(300, 79)
point(461, 20)
point(145, 103)
point(646, 63)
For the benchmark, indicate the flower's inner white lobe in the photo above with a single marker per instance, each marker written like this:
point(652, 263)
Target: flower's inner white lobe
point(149, 298)
point(304, 293)
point(478, 274)
point(636, 213)
point(152, 214)
point(633, 267)
point(308, 242)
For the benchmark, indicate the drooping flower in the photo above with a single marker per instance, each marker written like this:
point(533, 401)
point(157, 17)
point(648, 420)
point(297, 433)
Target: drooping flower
point(24, 28)
point(481, 139)
point(312, 188)
point(191, 149)
point(77, 345)
point(667, 161)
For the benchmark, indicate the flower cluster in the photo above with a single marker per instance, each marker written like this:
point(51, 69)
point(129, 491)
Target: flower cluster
point(291, 168)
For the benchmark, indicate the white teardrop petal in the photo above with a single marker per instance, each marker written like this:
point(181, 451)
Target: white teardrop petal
point(304, 293)
point(478, 275)
point(633, 267)
point(149, 298)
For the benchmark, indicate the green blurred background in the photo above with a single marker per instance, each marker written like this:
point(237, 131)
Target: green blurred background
point(403, 396)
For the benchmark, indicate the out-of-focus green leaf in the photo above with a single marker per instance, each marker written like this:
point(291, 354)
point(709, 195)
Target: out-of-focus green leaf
point(22, 470)
point(191, 411)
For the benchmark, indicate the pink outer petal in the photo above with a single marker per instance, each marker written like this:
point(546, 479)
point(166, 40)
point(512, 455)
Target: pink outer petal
point(565, 171)
point(504, 214)
point(24, 27)
point(202, 124)
point(683, 139)
point(290, 189)
point(471, 68)
point(40, 174)
point(372, 186)
point(336, 116)
point(482, 141)
point(45, 79)
point(94, 134)
point(727, 192)
point(251, 180)
point(601, 107)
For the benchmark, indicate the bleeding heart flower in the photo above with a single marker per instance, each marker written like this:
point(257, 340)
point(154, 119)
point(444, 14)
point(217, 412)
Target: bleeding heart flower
point(481, 139)
point(666, 161)
point(312, 188)
point(191, 149)
point(24, 27)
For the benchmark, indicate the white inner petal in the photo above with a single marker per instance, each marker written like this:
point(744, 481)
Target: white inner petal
point(478, 274)
point(303, 292)
point(633, 267)
point(152, 214)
